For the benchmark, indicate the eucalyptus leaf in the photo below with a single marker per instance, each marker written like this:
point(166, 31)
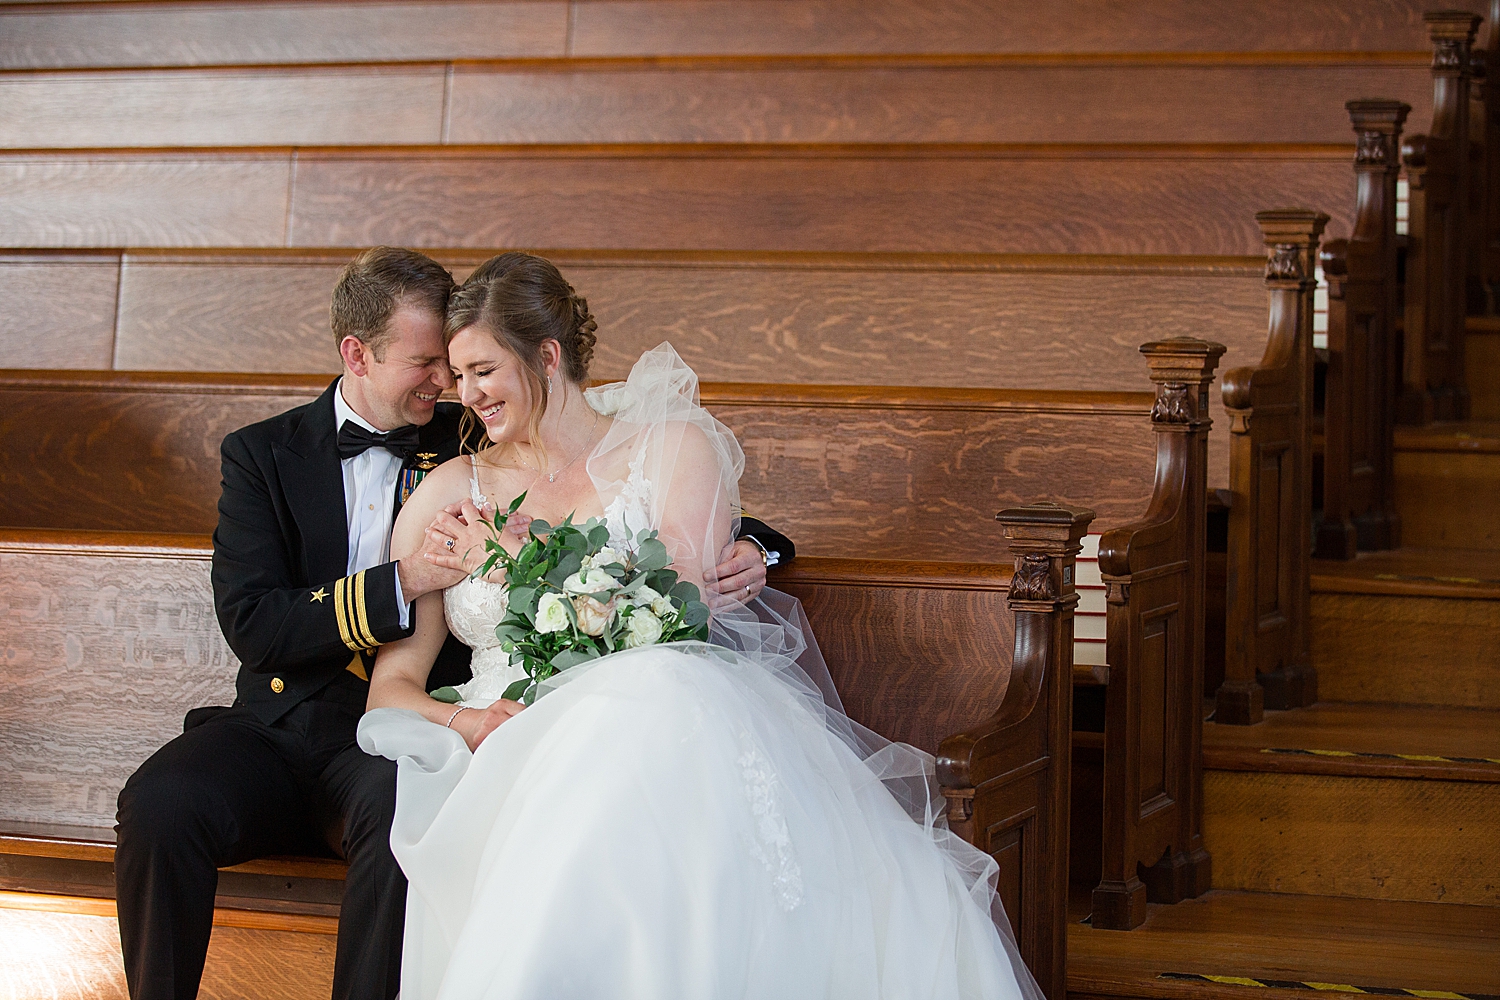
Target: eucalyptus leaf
point(517, 689)
point(684, 592)
point(652, 555)
point(663, 580)
point(529, 698)
point(447, 695)
point(598, 537)
point(572, 657)
point(695, 614)
point(540, 527)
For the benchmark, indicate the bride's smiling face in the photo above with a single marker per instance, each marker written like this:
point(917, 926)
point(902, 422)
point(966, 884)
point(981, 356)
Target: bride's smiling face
point(493, 383)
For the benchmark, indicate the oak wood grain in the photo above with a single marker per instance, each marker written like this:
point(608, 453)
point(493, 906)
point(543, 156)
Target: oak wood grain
point(1448, 498)
point(1375, 838)
point(156, 199)
point(58, 310)
point(897, 676)
point(234, 33)
point(232, 107)
point(1013, 199)
point(885, 99)
point(128, 636)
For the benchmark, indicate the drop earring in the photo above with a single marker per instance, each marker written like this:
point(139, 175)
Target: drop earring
point(549, 385)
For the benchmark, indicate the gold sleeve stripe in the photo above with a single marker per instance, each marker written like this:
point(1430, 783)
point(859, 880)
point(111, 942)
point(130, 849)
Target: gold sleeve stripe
point(342, 612)
point(362, 630)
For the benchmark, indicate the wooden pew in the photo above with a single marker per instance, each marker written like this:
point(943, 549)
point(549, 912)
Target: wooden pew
point(1438, 172)
point(882, 472)
point(1011, 321)
point(119, 629)
point(805, 99)
point(1363, 378)
point(61, 36)
point(1267, 654)
point(1153, 729)
point(1046, 198)
point(1483, 239)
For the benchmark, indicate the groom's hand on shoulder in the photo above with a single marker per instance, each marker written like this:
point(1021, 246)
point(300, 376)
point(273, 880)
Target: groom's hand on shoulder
point(421, 573)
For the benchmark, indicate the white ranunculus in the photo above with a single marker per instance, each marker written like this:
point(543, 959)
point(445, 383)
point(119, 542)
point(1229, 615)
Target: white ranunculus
point(551, 616)
point(642, 629)
point(589, 581)
point(592, 616)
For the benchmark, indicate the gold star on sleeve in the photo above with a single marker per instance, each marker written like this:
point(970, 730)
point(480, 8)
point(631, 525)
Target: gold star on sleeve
point(319, 594)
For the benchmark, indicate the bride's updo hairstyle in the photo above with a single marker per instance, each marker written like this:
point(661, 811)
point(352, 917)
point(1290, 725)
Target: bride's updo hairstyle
point(523, 301)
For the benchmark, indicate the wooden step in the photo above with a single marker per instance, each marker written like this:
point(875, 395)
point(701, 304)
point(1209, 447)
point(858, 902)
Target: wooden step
point(1219, 97)
point(234, 33)
point(1374, 801)
point(69, 946)
point(1414, 626)
point(1448, 485)
point(1247, 941)
point(1482, 366)
point(1049, 198)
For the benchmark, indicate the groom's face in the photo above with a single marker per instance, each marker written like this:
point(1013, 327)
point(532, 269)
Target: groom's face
point(403, 386)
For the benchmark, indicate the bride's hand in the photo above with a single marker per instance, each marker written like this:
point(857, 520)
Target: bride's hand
point(477, 723)
point(460, 531)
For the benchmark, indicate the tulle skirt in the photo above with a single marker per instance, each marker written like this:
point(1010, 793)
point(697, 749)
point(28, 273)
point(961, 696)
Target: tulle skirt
point(677, 822)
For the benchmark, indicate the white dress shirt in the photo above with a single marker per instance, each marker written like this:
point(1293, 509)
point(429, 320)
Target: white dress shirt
point(369, 499)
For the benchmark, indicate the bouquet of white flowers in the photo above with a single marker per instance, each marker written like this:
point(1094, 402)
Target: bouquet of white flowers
point(573, 597)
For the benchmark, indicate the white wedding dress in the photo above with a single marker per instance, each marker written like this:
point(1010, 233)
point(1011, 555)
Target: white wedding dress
point(684, 821)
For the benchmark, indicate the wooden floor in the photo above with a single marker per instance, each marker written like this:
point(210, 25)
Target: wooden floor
point(65, 948)
point(1333, 941)
point(1465, 573)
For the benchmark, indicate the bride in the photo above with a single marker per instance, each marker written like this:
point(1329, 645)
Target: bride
point(672, 821)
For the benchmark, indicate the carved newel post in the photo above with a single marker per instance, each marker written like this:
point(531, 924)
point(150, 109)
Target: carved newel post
point(1359, 511)
point(1153, 726)
point(1437, 170)
point(1007, 780)
point(1267, 658)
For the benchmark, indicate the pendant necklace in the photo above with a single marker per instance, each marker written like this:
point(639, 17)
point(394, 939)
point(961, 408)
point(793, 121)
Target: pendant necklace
point(552, 476)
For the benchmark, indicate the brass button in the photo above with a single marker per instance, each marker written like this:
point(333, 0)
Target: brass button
point(277, 685)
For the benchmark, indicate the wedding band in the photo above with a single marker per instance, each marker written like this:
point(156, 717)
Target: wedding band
point(448, 545)
point(747, 590)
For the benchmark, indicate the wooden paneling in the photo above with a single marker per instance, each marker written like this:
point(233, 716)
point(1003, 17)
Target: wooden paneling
point(919, 100)
point(85, 35)
point(154, 199)
point(142, 455)
point(249, 107)
point(1417, 650)
point(908, 473)
point(667, 27)
point(1004, 199)
point(1377, 838)
point(897, 676)
point(77, 956)
point(128, 636)
point(57, 310)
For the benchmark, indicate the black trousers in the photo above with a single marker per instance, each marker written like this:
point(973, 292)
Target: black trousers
point(232, 789)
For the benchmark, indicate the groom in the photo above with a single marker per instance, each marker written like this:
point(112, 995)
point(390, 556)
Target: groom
point(305, 592)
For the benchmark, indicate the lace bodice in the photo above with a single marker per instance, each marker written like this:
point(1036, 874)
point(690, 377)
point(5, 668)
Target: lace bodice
point(474, 607)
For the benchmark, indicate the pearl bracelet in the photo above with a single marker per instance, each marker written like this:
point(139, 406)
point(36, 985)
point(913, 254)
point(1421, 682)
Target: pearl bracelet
point(449, 723)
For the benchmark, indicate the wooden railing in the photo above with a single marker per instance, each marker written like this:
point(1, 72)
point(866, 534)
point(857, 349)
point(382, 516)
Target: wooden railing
point(1007, 778)
point(1267, 660)
point(1153, 728)
point(1362, 378)
point(1438, 172)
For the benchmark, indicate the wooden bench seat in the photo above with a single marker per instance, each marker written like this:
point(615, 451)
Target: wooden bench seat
point(850, 471)
point(122, 625)
point(1048, 198)
point(228, 33)
point(1011, 98)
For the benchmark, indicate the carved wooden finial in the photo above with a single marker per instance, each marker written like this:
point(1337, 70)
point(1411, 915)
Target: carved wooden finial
point(1182, 369)
point(1045, 537)
point(1377, 126)
point(1291, 237)
point(1452, 33)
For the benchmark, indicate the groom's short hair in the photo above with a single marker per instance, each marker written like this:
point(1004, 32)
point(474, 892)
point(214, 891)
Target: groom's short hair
point(373, 284)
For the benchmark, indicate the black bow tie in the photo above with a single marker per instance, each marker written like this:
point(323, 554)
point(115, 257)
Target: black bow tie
point(355, 440)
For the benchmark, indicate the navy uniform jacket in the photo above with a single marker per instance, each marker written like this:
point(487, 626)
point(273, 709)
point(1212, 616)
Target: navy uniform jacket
point(297, 622)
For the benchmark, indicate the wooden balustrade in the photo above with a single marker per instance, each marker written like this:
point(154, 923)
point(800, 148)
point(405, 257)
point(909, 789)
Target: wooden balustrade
point(1438, 174)
point(1363, 379)
point(1267, 662)
point(1007, 778)
point(1153, 728)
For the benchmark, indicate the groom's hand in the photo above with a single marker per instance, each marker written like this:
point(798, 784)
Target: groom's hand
point(421, 573)
point(739, 577)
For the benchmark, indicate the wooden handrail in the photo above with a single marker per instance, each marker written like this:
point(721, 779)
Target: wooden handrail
point(1438, 173)
point(1153, 570)
point(1007, 779)
point(1359, 509)
point(1267, 659)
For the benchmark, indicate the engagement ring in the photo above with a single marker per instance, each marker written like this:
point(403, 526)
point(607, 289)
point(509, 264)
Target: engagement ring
point(448, 545)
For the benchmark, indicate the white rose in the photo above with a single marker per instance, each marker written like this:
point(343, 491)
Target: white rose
point(589, 581)
point(644, 596)
point(605, 556)
point(642, 629)
point(551, 616)
point(662, 606)
point(592, 616)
